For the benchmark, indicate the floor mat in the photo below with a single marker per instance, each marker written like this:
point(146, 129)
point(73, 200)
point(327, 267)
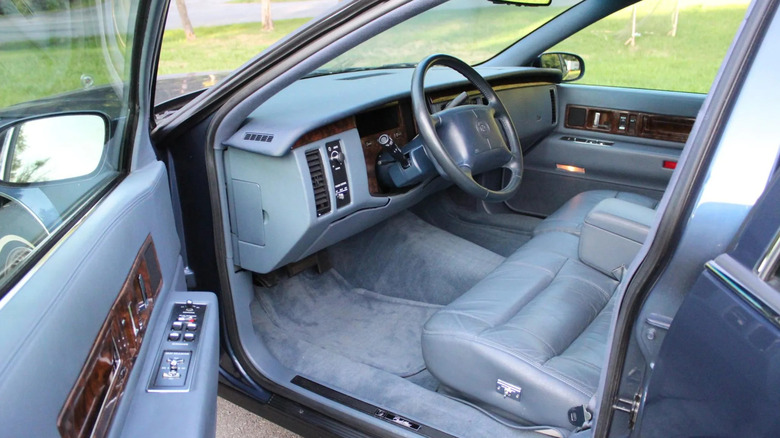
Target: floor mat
point(406, 257)
point(327, 311)
point(501, 233)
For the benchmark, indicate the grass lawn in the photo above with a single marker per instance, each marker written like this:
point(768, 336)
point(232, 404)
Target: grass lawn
point(219, 48)
point(31, 71)
point(687, 62)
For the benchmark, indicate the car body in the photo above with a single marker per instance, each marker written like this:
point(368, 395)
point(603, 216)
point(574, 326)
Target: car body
point(264, 237)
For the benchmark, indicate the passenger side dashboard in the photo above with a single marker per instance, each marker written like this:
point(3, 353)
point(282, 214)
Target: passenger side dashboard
point(301, 171)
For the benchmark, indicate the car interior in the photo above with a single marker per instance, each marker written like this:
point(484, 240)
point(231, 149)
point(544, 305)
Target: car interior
point(440, 247)
point(439, 218)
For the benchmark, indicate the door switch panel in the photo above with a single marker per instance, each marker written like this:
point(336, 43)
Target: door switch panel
point(178, 349)
point(634, 124)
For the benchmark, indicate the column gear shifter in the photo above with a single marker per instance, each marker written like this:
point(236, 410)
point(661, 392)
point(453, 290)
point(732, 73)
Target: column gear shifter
point(389, 146)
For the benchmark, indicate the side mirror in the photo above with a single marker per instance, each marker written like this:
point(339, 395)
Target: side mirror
point(572, 66)
point(52, 148)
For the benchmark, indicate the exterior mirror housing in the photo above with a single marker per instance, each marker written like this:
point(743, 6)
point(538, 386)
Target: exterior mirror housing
point(52, 148)
point(572, 66)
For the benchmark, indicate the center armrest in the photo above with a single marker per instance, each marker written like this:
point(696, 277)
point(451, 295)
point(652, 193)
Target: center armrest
point(612, 234)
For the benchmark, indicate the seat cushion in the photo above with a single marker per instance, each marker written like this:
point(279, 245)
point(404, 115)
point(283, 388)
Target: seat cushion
point(540, 322)
point(569, 218)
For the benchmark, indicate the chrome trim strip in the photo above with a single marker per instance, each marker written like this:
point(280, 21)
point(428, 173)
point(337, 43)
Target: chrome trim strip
point(766, 311)
point(767, 267)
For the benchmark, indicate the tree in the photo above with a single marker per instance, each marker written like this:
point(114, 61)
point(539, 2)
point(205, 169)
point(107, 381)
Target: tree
point(189, 32)
point(268, 24)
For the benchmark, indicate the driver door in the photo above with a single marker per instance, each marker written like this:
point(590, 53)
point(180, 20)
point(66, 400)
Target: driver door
point(98, 333)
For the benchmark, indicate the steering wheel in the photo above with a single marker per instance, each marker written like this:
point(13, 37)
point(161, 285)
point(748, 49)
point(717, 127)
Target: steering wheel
point(467, 140)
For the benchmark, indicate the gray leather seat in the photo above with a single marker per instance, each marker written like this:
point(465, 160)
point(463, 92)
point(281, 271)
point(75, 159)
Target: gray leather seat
point(571, 215)
point(539, 322)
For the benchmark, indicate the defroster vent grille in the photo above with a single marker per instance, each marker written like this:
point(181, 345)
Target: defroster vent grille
point(318, 182)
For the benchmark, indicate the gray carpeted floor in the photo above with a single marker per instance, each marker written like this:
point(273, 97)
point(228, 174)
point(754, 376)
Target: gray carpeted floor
point(406, 257)
point(357, 327)
point(325, 310)
point(501, 233)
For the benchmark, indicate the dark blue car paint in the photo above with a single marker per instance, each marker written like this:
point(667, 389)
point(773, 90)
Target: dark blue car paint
point(719, 368)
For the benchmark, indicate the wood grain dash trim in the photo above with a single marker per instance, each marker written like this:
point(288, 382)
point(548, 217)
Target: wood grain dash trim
point(326, 131)
point(92, 402)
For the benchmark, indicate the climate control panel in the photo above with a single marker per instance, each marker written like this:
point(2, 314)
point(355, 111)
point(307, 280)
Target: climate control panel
point(339, 171)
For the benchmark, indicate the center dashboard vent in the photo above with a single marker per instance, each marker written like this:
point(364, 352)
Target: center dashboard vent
point(319, 182)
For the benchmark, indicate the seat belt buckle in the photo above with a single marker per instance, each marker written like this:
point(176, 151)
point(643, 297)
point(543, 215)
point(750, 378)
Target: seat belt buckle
point(579, 415)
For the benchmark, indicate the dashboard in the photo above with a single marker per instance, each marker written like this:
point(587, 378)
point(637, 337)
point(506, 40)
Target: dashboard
point(301, 171)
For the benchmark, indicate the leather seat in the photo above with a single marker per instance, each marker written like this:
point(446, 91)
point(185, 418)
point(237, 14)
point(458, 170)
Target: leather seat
point(539, 323)
point(569, 218)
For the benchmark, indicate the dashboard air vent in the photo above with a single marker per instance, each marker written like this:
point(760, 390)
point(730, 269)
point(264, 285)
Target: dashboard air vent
point(257, 136)
point(554, 106)
point(318, 182)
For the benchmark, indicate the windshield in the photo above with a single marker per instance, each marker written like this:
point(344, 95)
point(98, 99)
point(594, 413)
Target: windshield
point(205, 40)
point(472, 30)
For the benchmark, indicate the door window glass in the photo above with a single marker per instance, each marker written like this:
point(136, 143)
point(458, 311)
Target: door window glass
point(64, 70)
point(675, 45)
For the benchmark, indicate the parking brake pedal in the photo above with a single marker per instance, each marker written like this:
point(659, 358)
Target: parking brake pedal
point(320, 261)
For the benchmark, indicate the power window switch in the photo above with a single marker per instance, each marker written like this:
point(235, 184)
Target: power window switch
point(622, 122)
point(189, 337)
point(174, 336)
point(177, 325)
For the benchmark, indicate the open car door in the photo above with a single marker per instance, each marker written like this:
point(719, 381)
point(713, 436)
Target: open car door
point(718, 366)
point(98, 335)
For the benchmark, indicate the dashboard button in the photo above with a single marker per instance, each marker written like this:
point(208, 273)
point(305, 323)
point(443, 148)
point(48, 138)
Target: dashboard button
point(191, 326)
point(189, 337)
point(174, 336)
point(177, 325)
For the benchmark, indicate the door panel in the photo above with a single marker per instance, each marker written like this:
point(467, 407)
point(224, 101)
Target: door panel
point(52, 319)
point(719, 365)
point(589, 151)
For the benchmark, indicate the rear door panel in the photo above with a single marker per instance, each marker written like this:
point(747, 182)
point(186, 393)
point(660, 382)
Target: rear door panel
point(606, 157)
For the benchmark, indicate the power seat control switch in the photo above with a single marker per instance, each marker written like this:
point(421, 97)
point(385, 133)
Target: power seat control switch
point(178, 349)
point(339, 170)
point(508, 390)
point(172, 369)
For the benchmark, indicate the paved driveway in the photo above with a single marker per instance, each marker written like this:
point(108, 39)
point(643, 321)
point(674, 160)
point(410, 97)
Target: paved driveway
point(234, 421)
